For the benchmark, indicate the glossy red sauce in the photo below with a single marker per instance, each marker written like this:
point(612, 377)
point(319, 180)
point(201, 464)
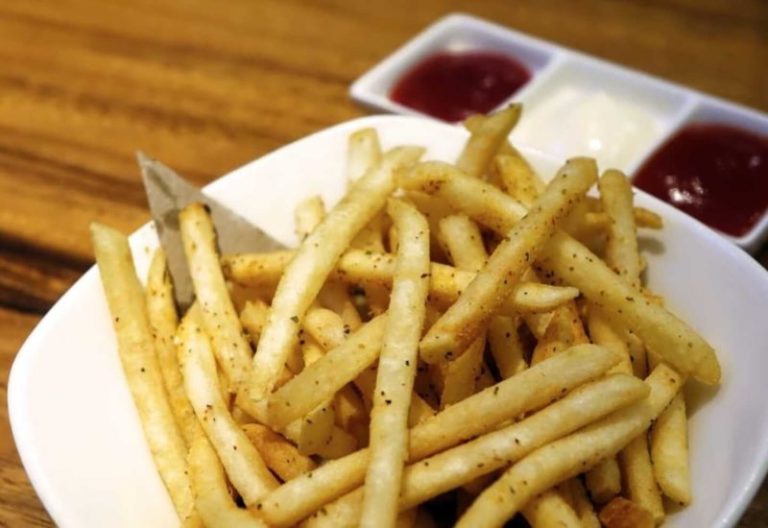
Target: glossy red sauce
point(716, 173)
point(453, 86)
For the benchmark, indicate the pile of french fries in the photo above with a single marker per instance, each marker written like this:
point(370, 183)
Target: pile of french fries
point(448, 341)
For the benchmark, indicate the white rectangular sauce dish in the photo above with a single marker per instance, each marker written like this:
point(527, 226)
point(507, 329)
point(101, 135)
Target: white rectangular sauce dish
point(573, 101)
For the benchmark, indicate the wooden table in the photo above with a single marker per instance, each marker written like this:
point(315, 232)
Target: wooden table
point(208, 86)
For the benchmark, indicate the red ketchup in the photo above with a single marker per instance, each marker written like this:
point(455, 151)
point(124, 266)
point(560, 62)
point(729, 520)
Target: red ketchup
point(453, 86)
point(716, 173)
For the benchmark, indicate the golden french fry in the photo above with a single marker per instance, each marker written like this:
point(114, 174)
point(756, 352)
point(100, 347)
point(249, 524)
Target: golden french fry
point(334, 296)
point(661, 331)
point(351, 414)
point(219, 318)
point(212, 499)
point(476, 415)
point(397, 367)
point(550, 509)
point(460, 375)
point(604, 480)
point(314, 261)
point(603, 333)
point(669, 451)
point(163, 320)
point(640, 483)
point(253, 317)
point(567, 457)
point(446, 283)
point(506, 346)
point(279, 455)
point(462, 322)
point(462, 242)
point(242, 462)
point(564, 331)
point(455, 467)
point(363, 153)
point(577, 497)
point(125, 298)
point(307, 215)
point(319, 381)
point(486, 139)
point(516, 178)
point(623, 513)
point(621, 251)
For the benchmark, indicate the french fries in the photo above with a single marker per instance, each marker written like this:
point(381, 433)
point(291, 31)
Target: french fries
point(467, 288)
point(567, 457)
point(397, 367)
point(309, 268)
point(244, 466)
point(460, 325)
point(125, 297)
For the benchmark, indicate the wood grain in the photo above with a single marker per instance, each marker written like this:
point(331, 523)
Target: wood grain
point(208, 86)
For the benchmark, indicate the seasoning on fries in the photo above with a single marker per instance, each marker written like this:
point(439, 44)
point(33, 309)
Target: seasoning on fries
point(443, 327)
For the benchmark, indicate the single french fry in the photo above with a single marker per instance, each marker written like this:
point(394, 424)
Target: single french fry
point(212, 499)
point(462, 322)
point(333, 332)
point(219, 318)
point(486, 139)
point(506, 347)
point(242, 462)
point(311, 431)
point(307, 214)
point(319, 381)
point(163, 321)
point(397, 367)
point(621, 251)
point(464, 463)
point(253, 317)
point(350, 413)
point(623, 513)
point(673, 339)
point(571, 262)
point(669, 451)
point(517, 179)
point(279, 454)
point(125, 298)
point(644, 218)
point(604, 480)
point(580, 502)
point(564, 331)
point(363, 153)
point(461, 374)
point(463, 242)
point(314, 261)
point(640, 483)
point(476, 415)
point(603, 333)
point(550, 509)
point(339, 444)
point(568, 456)
point(334, 296)
point(326, 327)
point(446, 283)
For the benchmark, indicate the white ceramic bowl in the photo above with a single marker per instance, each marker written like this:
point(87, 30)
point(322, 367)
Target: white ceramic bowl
point(81, 442)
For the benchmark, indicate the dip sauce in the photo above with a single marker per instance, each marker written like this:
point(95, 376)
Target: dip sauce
point(574, 119)
point(716, 173)
point(453, 86)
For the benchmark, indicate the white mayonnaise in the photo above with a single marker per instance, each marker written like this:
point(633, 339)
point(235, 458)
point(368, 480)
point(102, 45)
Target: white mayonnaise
point(574, 120)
